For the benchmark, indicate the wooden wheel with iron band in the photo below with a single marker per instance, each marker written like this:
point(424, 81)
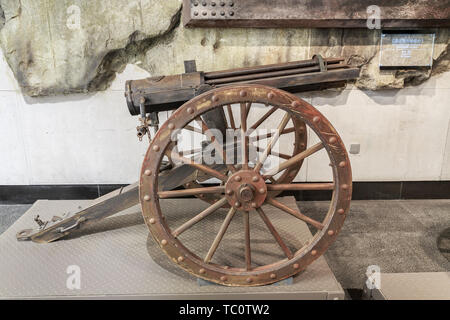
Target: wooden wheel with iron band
point(247, 189)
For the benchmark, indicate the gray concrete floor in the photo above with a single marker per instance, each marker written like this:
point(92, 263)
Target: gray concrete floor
point(9, 214)
point(397, 235)
point(400, 236)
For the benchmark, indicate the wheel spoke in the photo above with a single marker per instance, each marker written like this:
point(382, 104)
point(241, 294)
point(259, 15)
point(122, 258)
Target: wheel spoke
point(275, 234)
point(190, 192)
point(244, 137)
point(247, 110)
point(287, 131)
point(248, 254)
point(272, 143)
point(261, 137)
point(295, 213)
point(201, 167)
point(193, 129)
point(264, 118)
point(230, 115)
point(301, 187)
point(299, 157)
point(199, 217)
point(220, 235)
point(217, 146)
point(270, 135)
point(191, 152)
point(276, 154)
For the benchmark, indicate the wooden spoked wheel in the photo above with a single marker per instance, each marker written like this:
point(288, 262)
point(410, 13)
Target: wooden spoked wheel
point(247, 188)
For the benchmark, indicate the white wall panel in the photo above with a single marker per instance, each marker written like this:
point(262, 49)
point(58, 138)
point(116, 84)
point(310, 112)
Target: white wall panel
point(7, 80)
point(13, 159)
point(86, 140)
point(445, 175)
point(402, 133)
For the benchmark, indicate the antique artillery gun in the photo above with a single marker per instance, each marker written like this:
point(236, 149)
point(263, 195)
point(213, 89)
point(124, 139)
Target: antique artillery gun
point(229, 174)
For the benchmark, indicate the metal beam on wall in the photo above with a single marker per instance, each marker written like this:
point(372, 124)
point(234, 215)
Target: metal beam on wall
point(317, 13)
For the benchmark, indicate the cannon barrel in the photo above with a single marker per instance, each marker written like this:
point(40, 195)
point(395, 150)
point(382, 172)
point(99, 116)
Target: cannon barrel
point(164, 93)
point(268, 68)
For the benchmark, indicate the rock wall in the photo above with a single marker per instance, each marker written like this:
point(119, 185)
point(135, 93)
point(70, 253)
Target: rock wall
point(2, 18)
point(63, 46)
point(67, 46)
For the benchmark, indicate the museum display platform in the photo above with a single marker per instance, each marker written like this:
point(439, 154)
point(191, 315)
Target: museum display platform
point(411, 286)
point(118, 259)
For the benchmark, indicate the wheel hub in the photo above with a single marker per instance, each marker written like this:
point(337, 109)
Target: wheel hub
point(246, 190)
point(246, 193)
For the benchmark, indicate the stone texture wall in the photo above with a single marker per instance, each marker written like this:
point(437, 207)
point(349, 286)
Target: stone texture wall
point(50, 54)
point(2, 18)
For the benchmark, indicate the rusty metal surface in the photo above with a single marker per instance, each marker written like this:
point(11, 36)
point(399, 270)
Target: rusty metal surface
point(163, 93)
point(244, 194)
point(314, 13)
point(65, 223)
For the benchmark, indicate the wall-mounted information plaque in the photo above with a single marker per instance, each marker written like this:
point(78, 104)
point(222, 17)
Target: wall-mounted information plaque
point(406, 50)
